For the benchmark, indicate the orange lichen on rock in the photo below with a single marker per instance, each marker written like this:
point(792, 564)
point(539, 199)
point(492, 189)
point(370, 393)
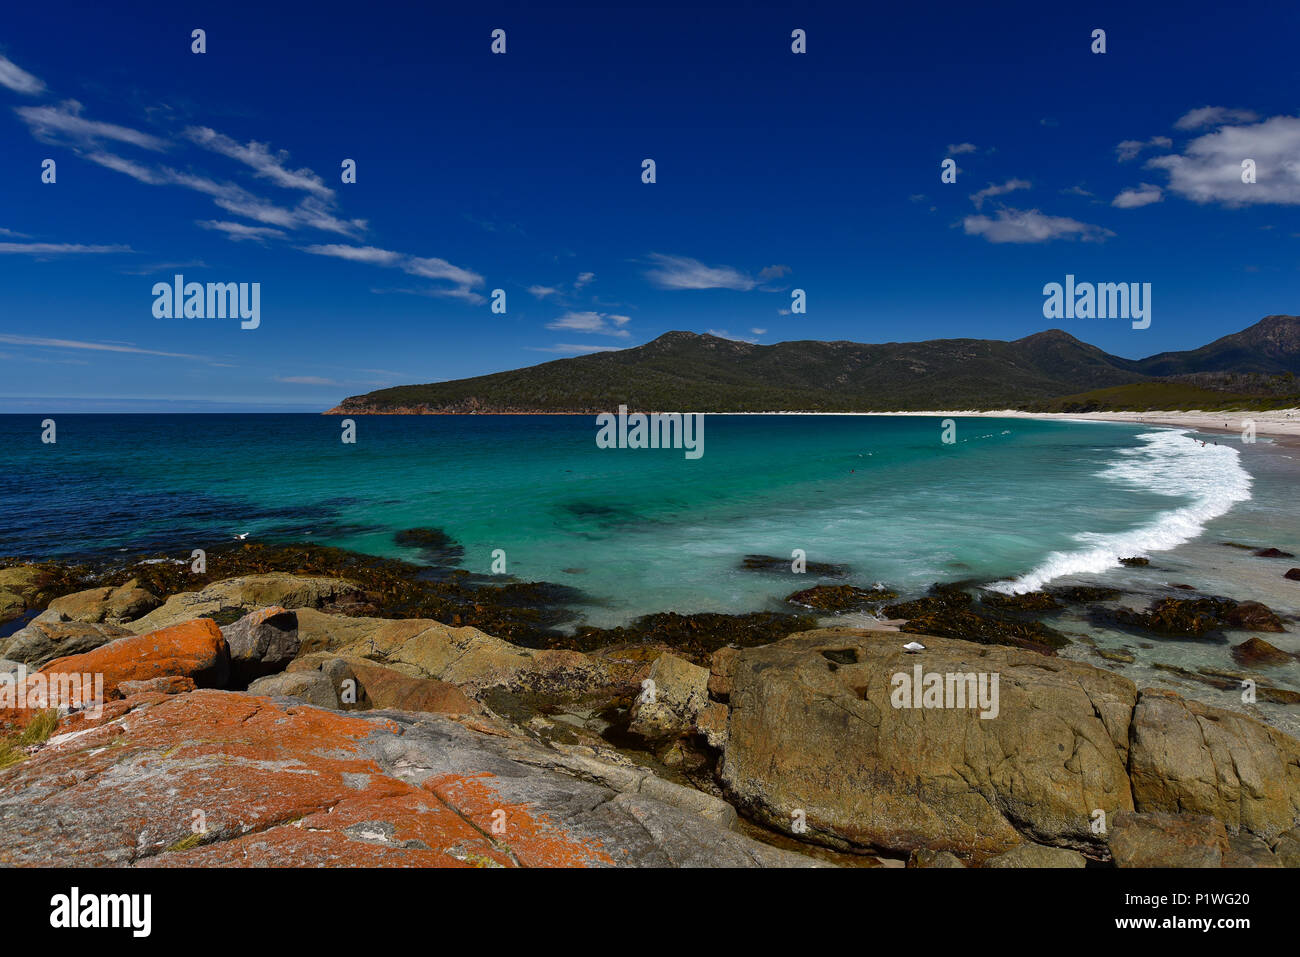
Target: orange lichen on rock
point(217, 778)
point(193, 649)
point(530, 835)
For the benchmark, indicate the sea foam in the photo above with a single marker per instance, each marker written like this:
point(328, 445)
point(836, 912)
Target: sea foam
point(1170, 463)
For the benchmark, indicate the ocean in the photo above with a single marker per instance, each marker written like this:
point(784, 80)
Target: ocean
point(1010, 503)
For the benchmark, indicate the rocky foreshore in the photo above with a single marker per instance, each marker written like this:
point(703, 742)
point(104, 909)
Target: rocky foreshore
point(285, 719)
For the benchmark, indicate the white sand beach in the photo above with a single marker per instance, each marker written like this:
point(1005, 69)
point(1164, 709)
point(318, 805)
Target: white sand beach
point(1273, 422)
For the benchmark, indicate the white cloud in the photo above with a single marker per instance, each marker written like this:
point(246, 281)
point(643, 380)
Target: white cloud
point(583, 279)
point(956, 149)
point(258, 156)
point(541, 292)
point(1199, 119)
point(596, 323)
point(724, 334)
point(759, 332)
point(311, 212)
point(424, 267)
point(58, 249)
point(94, 346)
point(1129, 149)
point(435, 268)
point(1209, 169)
point(240, 231)
point(1031, 226)
point(54, 123)
point(18, 79)
point(305, 380)
point(1010, 186)
point(131, 168)
point(681, 272)
point(572, 349)
point(1143, 195)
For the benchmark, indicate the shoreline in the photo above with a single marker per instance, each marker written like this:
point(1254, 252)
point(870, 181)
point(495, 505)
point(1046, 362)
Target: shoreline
point(1282, 425)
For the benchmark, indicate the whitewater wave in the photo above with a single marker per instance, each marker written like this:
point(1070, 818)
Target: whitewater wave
point(1170, 463)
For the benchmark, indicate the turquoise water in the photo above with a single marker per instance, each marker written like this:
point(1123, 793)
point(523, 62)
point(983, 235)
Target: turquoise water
point(1011, 501)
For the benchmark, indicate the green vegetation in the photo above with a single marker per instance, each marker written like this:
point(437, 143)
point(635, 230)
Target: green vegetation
point(38, 731)
point(682, 371)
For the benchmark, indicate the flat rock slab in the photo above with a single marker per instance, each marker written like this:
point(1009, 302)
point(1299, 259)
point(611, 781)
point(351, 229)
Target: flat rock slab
point(213, 778)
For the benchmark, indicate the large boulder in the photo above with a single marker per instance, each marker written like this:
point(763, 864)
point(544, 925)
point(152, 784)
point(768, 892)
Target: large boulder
point(193, 649)
point(48, 637)
point(123, 603)
point(375, 686)
point(261, 643)
point(1191, 758)
point(812, 729)
point(12, 604)
point(311, 687)
point(216, 778)
point(248, 593)
point(466, 657)
point(671, 699)
point(19, 585)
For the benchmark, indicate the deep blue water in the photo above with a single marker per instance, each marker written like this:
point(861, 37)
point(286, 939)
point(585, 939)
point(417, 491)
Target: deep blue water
point(638, 530)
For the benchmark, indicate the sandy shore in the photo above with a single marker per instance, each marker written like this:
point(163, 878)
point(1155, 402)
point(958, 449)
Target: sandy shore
point(1284, 424)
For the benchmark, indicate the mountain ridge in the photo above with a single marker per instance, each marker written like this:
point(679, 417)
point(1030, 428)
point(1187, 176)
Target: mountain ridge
point(689, 371)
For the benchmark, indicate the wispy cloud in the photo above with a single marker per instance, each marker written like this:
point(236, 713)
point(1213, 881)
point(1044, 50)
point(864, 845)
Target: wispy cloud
point(724, 334)
point(1010, 186)
point(93, 346)
point(357, 254)
point(572, 349)
point(681, 272)
point(426, 267)
point(310, 212)
point(1031, 226)
point(957, 149)
point(261, 160)
point(17, 79)
point(1129, 149)
point(1209, 168)
point(305, 380)
point(238, 232)
point(597, 323)
point(58, 249)
point(63, 123)
point(1207, 116)
point(1143, 195)
point(541, 292)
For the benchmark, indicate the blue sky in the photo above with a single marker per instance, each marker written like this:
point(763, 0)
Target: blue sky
point(522, 172)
